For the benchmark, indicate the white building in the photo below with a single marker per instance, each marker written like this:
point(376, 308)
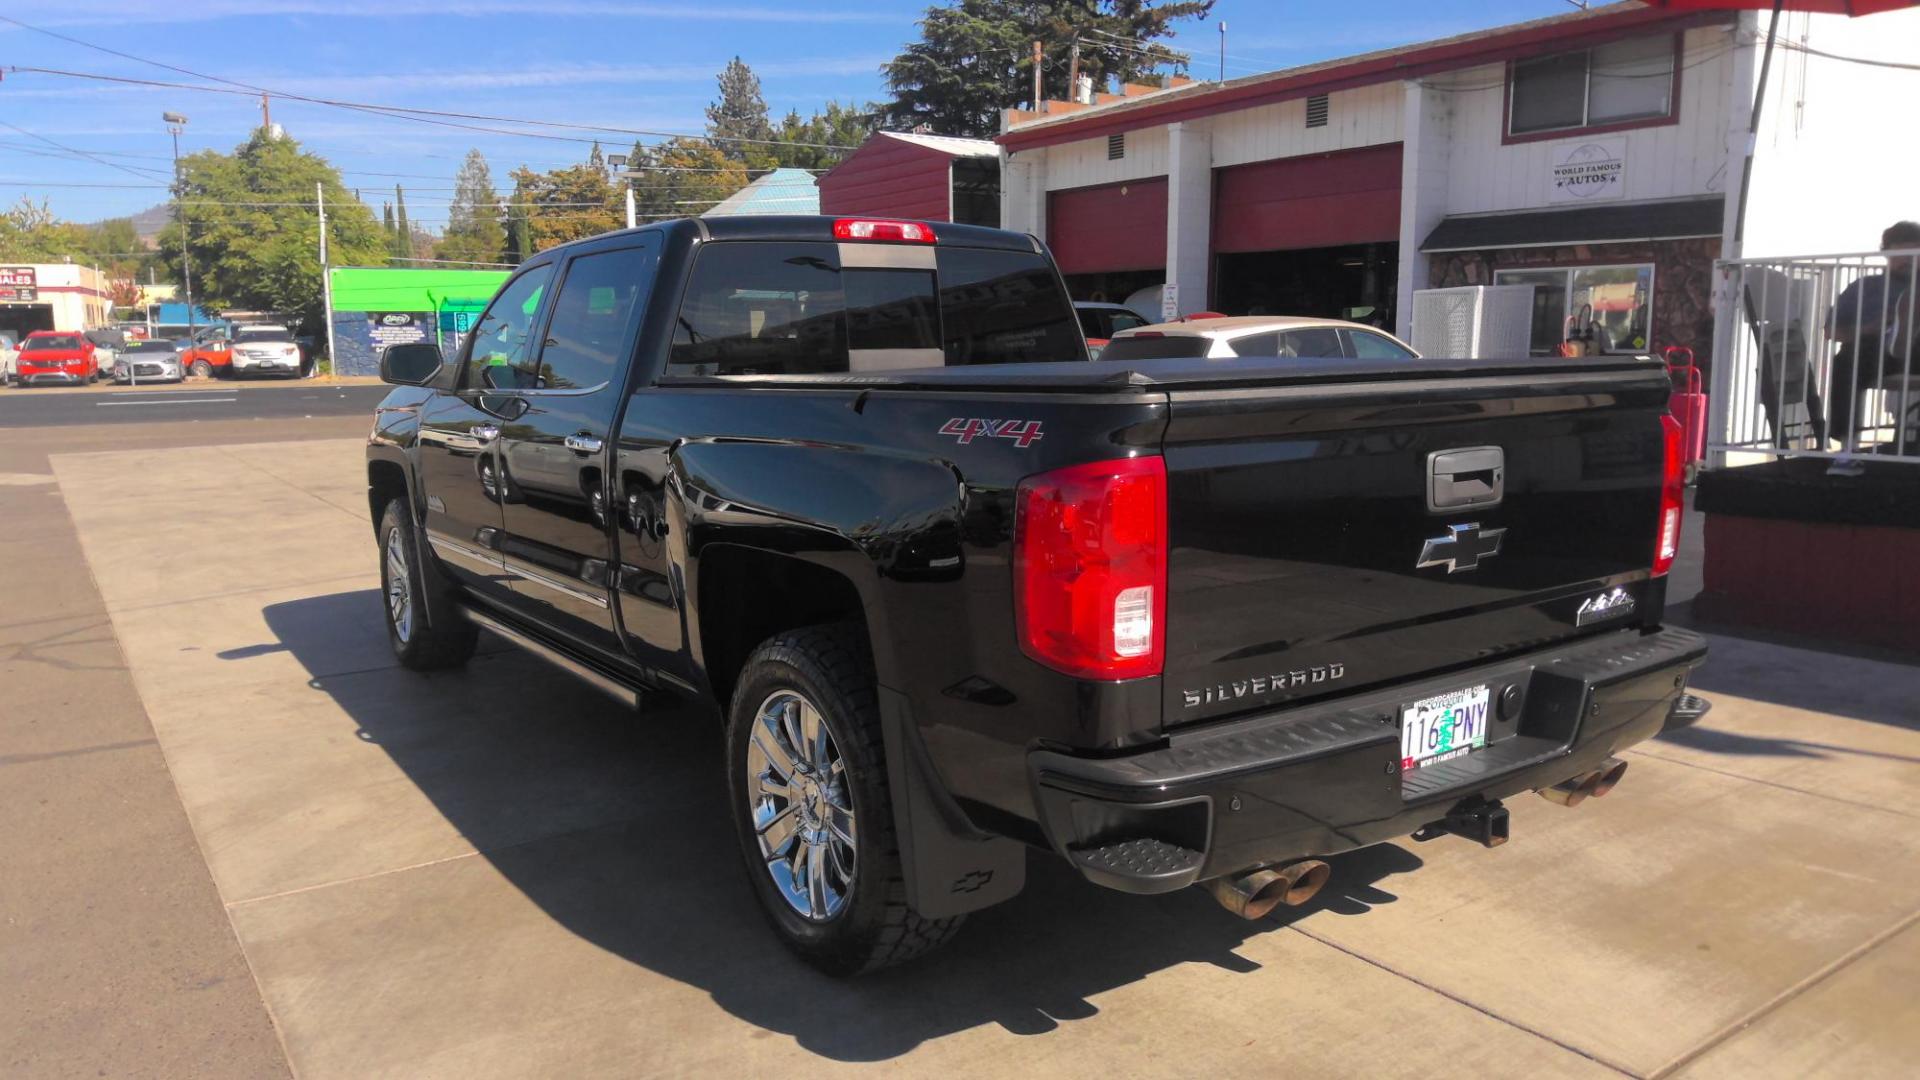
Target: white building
point(53, 296)
point(1595, 155)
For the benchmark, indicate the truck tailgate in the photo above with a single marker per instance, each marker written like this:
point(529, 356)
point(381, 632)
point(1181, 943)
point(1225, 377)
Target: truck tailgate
point(1300, 515)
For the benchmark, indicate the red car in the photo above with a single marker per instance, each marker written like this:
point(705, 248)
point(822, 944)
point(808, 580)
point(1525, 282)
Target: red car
point(55, 356)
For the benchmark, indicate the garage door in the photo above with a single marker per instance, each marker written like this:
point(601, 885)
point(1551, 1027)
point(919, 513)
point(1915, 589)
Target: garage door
point(1113, 227)
point(1352, 197)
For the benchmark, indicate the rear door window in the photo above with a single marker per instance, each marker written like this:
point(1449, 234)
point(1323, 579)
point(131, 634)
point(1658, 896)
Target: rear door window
point(593, 318)
point(1317, 341)
point(761, 309)
point(1368, 345)
point(1123, 320)
point(1256, 345)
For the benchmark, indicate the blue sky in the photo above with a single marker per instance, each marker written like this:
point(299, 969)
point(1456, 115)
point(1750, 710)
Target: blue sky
point(625, 64)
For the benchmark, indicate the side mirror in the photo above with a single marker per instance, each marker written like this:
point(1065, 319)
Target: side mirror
point(413, 363)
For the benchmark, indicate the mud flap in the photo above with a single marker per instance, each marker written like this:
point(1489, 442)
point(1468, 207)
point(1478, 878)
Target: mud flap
point(951, 868)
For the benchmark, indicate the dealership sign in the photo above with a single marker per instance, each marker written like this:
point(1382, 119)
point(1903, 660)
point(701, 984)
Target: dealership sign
point(18, 285)
point(1594, 170)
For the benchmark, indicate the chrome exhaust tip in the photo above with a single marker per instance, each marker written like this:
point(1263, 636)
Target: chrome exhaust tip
point(1606, 776)
point(1587, 785)
point(1253, 895)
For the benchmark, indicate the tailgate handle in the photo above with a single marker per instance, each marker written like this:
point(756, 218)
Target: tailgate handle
point(1463, 479)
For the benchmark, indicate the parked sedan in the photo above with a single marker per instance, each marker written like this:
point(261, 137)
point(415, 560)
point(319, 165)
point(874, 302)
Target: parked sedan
point(1257, 335)
point(264, 350)
point(9, 352)
point(149, 361)
point(52, 357)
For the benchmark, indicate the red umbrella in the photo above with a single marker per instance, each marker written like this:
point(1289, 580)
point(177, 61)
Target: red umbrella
point(1823, 7)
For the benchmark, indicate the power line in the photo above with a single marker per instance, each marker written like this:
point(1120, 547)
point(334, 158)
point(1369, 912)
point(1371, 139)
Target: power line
point(128, 169)
point(402, 112)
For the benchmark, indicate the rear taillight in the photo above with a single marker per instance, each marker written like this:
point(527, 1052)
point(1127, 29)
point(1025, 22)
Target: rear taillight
point(909, 232)
point(1090, 568)
point(1673, 494)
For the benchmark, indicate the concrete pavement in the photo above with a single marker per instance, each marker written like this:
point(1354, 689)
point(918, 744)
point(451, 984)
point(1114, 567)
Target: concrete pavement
point(495, 872)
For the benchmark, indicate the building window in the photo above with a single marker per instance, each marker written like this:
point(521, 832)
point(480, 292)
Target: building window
point(1624, 82)
point(1317, 111)
point(1608, 307)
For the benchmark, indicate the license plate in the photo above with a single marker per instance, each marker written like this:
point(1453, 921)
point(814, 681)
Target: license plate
point(1443, 727)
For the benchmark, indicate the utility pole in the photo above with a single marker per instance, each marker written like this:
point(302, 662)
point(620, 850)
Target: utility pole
point(1073, 70)
point(266, 116)
point(631, 220)
point(326, 276)
point(176, 123)
point(1037, 103)
point(1223, 52)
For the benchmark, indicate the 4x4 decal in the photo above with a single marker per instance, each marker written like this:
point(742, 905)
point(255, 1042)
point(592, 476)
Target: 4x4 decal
point(1024, 433)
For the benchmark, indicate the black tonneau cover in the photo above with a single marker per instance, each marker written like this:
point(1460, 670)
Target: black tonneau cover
point(1184, 374)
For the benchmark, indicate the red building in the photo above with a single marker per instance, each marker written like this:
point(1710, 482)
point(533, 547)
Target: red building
point(924, 177)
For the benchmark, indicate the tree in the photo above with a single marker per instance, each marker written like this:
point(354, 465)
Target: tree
point(682, 178)
point(566, 204)
point(519, 246)
point(738, 119)
point(975, 57)
point(807, 141)
point(473, 220)
point(253, 228)
point(400, 245)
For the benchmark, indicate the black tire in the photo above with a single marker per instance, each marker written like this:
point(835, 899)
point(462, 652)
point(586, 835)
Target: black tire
point(830, 666)
point(449, 641)
point(201, 369)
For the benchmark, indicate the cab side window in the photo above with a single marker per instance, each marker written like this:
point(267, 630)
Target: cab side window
point(593, 317)
point(502, 338)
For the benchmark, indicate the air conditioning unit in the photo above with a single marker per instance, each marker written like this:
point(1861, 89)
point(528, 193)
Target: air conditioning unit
point(1474, 322)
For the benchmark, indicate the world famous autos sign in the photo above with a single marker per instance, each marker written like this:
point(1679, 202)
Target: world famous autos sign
point(1591, 170)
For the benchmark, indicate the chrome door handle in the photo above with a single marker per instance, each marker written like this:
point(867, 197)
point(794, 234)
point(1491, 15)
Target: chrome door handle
point(582, 444)
point(486, 433)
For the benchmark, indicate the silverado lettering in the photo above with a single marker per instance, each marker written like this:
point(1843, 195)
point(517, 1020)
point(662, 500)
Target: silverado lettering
point(1260, 685)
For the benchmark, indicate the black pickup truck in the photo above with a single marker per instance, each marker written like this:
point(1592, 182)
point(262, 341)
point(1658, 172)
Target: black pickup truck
point(957, 591)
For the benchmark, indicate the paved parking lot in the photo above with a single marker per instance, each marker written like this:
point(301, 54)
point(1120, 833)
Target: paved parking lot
point(497, 872)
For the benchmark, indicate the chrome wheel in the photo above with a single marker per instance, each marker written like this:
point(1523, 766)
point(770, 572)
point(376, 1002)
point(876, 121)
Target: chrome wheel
point(399, 588)
point(802, 806)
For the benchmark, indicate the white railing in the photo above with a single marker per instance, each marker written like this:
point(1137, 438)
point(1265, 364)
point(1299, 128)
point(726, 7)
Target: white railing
point(1820, 360)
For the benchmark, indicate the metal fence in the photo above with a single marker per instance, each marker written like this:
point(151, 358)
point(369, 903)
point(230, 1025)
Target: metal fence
point(1820, 360)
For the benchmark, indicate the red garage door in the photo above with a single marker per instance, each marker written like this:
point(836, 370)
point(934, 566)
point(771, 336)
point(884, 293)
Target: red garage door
point(1352, 197)
point(1099, 230)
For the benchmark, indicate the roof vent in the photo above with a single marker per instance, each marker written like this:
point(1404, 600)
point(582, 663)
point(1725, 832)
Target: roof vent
point(1317, 111)
point(1116, 146)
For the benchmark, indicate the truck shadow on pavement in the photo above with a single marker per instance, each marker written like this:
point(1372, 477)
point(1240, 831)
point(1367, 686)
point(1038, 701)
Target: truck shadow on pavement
point(616, 828)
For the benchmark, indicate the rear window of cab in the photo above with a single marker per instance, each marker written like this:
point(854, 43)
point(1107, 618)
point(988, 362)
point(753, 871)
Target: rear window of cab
point(772, 308)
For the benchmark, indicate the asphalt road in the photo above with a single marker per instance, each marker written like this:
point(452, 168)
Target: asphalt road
point(215, 401)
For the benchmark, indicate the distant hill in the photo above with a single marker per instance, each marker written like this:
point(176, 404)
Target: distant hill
point(148, 223)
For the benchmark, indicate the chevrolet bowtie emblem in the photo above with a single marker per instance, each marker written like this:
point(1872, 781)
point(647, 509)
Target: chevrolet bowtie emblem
point(1461, 549)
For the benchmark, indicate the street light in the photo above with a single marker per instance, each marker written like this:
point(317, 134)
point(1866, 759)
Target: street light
point(619, 164)
point(176, 123)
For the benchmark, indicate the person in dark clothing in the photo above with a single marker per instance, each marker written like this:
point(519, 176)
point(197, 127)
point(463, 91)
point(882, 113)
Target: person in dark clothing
point(1865, 321)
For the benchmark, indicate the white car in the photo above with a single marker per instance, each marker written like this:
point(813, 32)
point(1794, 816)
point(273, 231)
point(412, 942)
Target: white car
point(1256, 335)
point(264, 349)
point(9, 356)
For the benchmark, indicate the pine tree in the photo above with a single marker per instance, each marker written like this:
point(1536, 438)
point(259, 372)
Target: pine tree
point(473, 220)
point(974, 57)
point(402, 231)
point(597, 159)
point(738, 120)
